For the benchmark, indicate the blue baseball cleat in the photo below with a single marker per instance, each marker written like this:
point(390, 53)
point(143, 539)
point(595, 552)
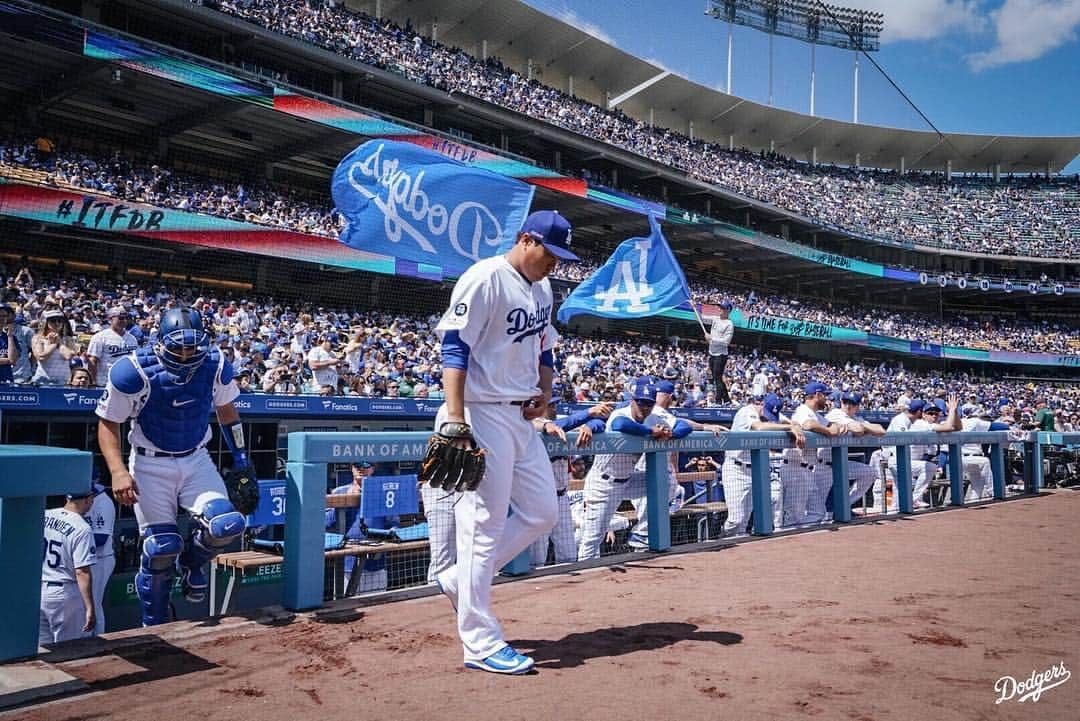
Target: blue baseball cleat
point(507, 661)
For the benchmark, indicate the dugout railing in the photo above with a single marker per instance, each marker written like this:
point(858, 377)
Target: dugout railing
point(310, 454)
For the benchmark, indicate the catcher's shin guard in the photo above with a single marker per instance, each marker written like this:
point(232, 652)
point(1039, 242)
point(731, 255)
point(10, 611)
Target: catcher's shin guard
point(153, 582)
point(218, 525)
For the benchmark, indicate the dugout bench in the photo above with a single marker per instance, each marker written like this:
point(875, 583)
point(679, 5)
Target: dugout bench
point(383, 499)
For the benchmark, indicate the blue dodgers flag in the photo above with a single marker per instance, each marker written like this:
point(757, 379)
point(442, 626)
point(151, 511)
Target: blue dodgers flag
point(412, 203)
point(641, 278)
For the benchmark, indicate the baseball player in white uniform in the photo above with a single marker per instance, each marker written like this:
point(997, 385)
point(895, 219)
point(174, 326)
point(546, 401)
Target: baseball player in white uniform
point(665, 396)
point(615, 477)
point(439, 506)
point(806, 482)
point(847, 416)
point(561, 537)
point(102, 520)
point(924, 458)
point(900, 422)
point(760, 414)
point(497, 349)
point(976, 464)
point(67, 563)
point(168, 392)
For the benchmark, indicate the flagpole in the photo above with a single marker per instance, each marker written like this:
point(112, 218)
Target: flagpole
point(693, 305)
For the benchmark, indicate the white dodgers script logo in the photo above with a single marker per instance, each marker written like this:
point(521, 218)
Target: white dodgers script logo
point(406, 208)
point(623, 285)
point(1033, 686)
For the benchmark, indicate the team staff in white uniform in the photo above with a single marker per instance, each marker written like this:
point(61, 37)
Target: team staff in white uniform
point(109, 345)
point(102, 520)
point(561, 537)
point(615, 477)
point(900, 422)
point(806, 482)
point(67, 563)
point(924, 458)
point(976, 464)
point(497, 348)
point(847, 415)
point(719, 340)
point(760, 414)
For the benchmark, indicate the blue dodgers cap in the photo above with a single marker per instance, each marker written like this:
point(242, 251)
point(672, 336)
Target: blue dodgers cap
point(816, 387)
point(670, 374)
point(726, 304)
point(852, 398)
point(773, 404)
point(916, 405)
point(645, 390)
point(938, 406)
point(665, 387)
point(79, 495)
point(551, 229)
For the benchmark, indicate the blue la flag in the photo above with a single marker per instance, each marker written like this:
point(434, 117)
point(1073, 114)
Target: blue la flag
point(413, 203)
point(641, 278)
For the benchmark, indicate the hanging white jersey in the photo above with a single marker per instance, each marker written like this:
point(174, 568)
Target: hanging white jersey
point(102, 519)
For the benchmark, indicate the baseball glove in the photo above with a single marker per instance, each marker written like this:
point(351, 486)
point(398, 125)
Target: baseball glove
point(243, 489)
point(448, 466)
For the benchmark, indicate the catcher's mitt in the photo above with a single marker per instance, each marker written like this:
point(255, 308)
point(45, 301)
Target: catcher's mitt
point(446, 465)
point(243, 489)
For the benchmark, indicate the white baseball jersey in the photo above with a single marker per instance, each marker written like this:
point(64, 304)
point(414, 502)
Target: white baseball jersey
point(917, 452)
point(108, 347)
point(976, 425)
point(503, 346)
point(118, 407)
point(102, 519)
point(743, 421)
point(801, 415)
point(68, 545)
point(622, 465)
point(899, 423)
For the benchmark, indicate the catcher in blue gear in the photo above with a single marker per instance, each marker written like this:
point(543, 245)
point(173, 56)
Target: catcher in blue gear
point(167, 393)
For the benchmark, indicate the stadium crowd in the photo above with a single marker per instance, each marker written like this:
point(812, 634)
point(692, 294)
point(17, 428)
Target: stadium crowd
point(1031, 216)
point(293, 348)
point(130, 180)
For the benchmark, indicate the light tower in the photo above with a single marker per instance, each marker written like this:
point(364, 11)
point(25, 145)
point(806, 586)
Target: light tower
point(811, 21)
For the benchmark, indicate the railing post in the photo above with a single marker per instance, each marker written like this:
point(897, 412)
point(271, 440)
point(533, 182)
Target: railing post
point(304, 532)
point(761, 492)
point(956, 475)
point(656, 485)
point(997, 469)
point(903, 479)
point(1033, 465)
point(841, 509)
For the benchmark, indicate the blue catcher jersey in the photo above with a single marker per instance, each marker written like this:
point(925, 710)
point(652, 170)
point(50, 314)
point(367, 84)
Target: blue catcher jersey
point(167, 416)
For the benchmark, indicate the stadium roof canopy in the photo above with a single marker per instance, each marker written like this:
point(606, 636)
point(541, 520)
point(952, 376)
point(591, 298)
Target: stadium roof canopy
point(565, 57)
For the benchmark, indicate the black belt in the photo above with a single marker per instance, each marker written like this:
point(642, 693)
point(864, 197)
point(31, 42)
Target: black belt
point(827, 463)
point(974, 455)
point(804, 465)
point(929, 457)
point(165, 454)
point(54, 583)
point(740, 464)
point(608, 477)
point(561, 492)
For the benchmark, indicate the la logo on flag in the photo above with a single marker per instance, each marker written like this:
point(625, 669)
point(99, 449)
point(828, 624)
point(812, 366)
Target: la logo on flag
point(624, 287)
point(641, 278)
